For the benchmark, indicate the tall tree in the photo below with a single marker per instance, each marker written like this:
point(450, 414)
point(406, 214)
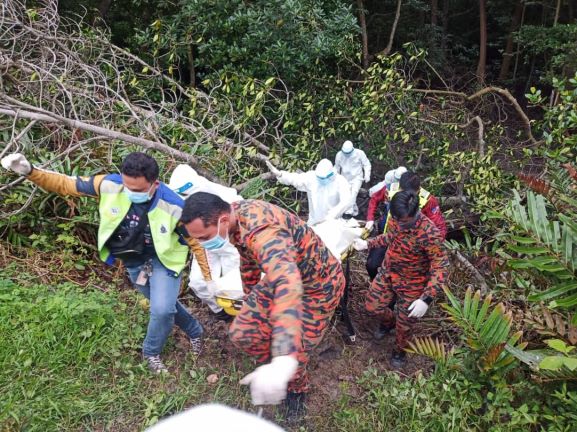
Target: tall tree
point(508, 53)
point(482, 41)
point(364, 36)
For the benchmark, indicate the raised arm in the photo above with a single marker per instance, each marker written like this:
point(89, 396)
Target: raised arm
point(52, 181)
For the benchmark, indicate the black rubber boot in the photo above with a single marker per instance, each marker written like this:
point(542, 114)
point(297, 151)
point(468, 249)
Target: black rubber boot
point(223, 316)
point(381, 332)
point(294, 407)
point(398, 359)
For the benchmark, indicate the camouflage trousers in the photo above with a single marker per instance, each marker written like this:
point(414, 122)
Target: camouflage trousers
point(385, 294)
point(251, 330)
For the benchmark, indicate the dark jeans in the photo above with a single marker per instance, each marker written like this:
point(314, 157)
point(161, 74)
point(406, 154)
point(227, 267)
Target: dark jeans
point(374, 261)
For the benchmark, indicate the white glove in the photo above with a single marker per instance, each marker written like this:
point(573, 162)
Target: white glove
point(276, 172)
point(418, 308)
point(17, 162)
point(268, 383)
point(369, 225)
point(367, 179)
point(360, 244)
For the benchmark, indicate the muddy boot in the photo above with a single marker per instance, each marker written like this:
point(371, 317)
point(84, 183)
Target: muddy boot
point(381, 332)
point(294, 407)
point(398, 359)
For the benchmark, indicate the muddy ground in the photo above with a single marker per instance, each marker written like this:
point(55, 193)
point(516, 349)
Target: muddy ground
point(336, 361)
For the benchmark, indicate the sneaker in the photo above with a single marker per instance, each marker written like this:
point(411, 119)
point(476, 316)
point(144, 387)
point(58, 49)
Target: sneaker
point(196, 345)
point(381, 332)
point(294, 406)
point(398, 359)
point(155, 364)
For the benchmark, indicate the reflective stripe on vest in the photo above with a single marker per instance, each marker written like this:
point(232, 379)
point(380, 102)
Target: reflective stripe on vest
point(423, 199)
point(163, 218)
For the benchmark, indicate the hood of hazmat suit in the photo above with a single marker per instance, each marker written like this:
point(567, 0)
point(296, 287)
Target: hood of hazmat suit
point(185, 181)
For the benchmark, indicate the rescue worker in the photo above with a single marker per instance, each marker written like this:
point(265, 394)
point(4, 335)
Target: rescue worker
point(286, 312)
point(355, 167)
point(139, 226)
point(428, 204)
point(392, 176)
point(414, 270)
point(185, 181)
point(328, 193)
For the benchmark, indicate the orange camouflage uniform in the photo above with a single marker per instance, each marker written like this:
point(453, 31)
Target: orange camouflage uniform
point(287, 311)
point(415, 266)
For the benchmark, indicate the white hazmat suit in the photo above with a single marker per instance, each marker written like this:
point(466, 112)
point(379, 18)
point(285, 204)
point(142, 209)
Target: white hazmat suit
point(328, 193)
point(185, 181)
point(392, 176)
point(355, 167)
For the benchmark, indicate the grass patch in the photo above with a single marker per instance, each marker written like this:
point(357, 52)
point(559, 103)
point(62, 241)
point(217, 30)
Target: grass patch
point(70, 360)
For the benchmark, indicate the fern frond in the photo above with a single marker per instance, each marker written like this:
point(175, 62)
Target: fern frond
point(542, 187)
point(432, 348)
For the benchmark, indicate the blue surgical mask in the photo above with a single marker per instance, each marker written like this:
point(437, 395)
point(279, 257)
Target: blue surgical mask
point(326, 180)
point(348, 154)
point(215, 243)
point(138, 197)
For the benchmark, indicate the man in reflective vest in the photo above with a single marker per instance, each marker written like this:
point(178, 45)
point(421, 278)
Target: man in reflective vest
point(139, 217)
point(428, 204)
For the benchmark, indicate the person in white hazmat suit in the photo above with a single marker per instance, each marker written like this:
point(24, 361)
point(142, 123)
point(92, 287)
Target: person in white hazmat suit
point(185, 181)
point(354, 165)
point(392, 176)
point(328, 193)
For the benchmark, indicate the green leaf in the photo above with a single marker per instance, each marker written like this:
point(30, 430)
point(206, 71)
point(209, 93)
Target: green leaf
point(554, 292)
point(552, 363)
point(559, 345)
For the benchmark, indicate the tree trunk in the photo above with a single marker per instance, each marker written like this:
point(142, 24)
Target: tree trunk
point(518, 49)
point(445, 27)
point(364, 37)
point(104, 7)
point(389, 47)
point(557, 11)
point(192, 73)
point(508, 54)
point(482, 42)
point(434, 12)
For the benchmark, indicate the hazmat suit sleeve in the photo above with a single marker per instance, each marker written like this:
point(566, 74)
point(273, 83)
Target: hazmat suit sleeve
point(299, 181)
point(345, 198)
point(439, 264)
point(200, 255)
point(338, 163)
point(65, 185)
point(366, 165)
point(276, 255)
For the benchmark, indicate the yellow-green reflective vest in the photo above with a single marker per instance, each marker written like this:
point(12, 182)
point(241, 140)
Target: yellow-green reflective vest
point(163, 217)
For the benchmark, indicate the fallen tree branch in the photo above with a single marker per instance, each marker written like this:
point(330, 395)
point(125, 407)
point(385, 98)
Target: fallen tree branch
point(483, 287)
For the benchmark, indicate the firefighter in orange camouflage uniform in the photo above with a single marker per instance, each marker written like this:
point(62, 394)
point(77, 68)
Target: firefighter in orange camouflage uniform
point(287, 311)
point(413, 271)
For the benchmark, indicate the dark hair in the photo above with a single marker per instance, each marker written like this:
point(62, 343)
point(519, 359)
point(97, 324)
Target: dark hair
point(410, 181)
point(404, 203)
point(138, 164)
point(206, 206)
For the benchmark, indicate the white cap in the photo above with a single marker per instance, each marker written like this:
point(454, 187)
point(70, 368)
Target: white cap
point(182, 179)
point(324, 169)
point(347, 147)
point(399, 172)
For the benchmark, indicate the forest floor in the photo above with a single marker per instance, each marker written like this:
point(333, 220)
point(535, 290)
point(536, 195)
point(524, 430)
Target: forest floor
point(129, 397)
